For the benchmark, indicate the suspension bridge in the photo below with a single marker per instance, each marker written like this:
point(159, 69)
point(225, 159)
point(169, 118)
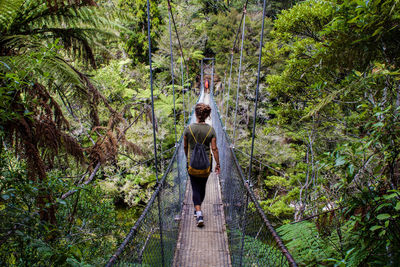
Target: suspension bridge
point(237, 232)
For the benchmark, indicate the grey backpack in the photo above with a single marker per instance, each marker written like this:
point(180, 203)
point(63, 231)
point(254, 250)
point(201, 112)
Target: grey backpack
point(199, 162)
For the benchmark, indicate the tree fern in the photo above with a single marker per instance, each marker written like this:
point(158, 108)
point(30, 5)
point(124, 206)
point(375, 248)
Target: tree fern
point(307, 245)
point(8, 11)
point(80, 28)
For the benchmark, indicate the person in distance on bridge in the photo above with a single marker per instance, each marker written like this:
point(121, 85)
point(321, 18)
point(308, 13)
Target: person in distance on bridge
point(200, 136)
point(207, 86)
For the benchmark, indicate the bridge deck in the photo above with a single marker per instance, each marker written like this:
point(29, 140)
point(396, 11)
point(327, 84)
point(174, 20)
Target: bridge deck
point(206, 246)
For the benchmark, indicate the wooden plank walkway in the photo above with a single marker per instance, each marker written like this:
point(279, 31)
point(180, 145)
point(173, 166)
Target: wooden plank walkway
point(206, 246)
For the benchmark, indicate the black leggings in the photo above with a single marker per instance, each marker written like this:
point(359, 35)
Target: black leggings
point(199, 189)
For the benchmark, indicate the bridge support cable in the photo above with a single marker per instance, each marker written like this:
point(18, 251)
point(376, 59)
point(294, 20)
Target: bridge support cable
point(238, 81)
point(226, 104)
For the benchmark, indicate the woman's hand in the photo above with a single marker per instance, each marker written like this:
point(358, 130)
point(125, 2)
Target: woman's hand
point(217, 169)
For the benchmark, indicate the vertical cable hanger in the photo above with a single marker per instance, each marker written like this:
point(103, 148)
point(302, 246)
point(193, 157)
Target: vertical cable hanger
point(182, 59)
point(151, 89)
point(231, 61)
point(212, 78)
point(172, 70)
point(183, 94)
point(238, 81)
point(223, 93)
point(257, 93)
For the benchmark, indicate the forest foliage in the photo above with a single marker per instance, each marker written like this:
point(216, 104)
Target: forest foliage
point(76, 134)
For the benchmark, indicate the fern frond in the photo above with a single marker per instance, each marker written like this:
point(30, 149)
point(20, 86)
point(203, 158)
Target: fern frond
point(8, 11)
point(325, 101)
point(82, 28)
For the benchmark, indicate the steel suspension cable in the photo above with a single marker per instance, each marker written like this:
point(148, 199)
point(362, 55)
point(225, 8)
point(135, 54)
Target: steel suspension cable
point(223, 93)
point(177, 35)
point(183, 94)
point(154, 132)
point(202, 77)
point(172, 70)
point(212, 79)
point(181, 52)
point(151, 89)
point(231, 61)
point(238, 81)
point(257, 92)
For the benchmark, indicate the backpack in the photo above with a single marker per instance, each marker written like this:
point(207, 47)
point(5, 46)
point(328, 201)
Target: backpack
point(199, 163)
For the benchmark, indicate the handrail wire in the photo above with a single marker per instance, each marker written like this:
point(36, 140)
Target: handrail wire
point(231, 60)
point(154, 132)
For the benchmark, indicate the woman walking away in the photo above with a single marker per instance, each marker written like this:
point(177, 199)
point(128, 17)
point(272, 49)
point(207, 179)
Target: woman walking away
point(197, 138)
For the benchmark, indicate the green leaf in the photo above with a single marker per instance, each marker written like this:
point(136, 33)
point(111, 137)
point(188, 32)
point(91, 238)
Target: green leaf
point(378, 31)
point(375, 227)
point(393, 195)
point(382, 206)
point(397, 206)
point(378, 124)
point(383, 216)
point(383, 232)
point(359, 74)
point(340, 161)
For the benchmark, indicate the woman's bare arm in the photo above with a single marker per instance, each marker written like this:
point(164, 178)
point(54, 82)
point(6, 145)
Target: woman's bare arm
point(185, 145)
point(214, 149)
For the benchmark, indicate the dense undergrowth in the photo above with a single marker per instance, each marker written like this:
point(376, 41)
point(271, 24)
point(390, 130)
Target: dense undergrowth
point(75, 95)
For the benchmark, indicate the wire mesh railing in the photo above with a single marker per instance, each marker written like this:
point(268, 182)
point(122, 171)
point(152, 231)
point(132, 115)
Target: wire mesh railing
point(152, 240)
point(252, 239)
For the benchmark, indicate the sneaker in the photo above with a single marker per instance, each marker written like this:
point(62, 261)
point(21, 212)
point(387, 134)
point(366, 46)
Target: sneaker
point(200, 221)
point(195, 215)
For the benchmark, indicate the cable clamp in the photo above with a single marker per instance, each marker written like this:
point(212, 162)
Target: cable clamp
point(249, 183)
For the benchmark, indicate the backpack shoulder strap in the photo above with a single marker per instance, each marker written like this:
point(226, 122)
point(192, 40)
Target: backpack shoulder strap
point(192, 134)
point(207, 135)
